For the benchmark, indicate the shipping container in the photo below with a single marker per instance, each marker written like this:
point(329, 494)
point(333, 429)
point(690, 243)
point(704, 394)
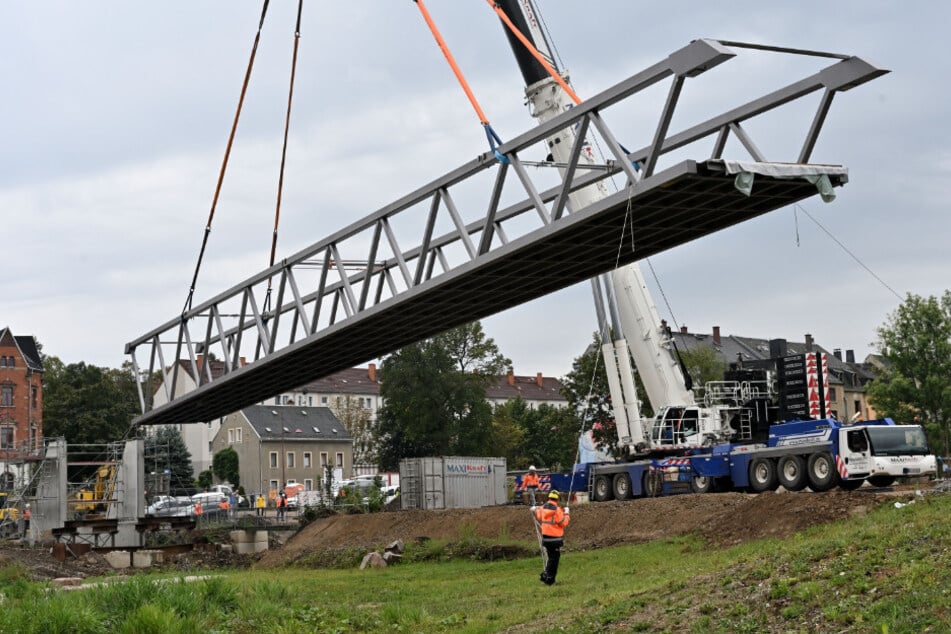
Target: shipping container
point(452, 482)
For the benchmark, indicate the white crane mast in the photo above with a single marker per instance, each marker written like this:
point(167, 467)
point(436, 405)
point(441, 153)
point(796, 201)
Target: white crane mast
point(637, 330)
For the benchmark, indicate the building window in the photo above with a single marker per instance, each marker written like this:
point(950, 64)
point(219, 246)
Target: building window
point(6, 396)
point(858, 406)
point(310, 401)
point(832, 393)
point(323, 400)
point(34, 395)
point(290, 460)
point(340, 459)
point(237, 434)
point(12, 362)
point(273, 457)
point(308, 460)
point(273, 485)
point(308, 485)
point(230, 436)
point(6, 437)
point(211, 448)
point(323, 458)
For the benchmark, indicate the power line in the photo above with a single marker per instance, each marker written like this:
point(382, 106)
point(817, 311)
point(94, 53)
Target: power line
point(846, 249)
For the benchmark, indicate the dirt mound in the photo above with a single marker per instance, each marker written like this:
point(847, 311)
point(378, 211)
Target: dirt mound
point(722, 519)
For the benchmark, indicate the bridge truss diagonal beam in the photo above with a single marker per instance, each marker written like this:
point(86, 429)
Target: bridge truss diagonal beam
point(395, 284)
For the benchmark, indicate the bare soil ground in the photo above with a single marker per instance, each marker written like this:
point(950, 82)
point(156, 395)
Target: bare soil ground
point(721, 519)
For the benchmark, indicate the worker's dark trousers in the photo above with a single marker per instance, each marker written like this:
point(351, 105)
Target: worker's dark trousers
point(553, 548)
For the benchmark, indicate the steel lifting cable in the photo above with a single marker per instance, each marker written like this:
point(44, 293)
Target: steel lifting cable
point(493, 138)
point(224, 162)
point(287, 126)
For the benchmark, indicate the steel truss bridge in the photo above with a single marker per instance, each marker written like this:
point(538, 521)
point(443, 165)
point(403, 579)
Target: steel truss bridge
point(415, 267)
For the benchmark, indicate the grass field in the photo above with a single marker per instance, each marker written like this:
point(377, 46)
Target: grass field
point(888, 572)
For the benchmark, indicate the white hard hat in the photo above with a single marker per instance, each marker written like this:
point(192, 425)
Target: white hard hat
point(531, 468)
point(27, 506)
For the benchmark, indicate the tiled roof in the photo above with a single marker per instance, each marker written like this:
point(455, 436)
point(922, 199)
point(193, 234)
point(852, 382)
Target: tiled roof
point(288, 423)
point(349, 381)
point(26, 344)
point(527, 387)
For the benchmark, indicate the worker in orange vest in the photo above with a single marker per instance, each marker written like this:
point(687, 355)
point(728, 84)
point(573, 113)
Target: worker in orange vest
point(553, 520)
point(198, 511)
point(27, 513)
point(225, 506)
point(530, 484)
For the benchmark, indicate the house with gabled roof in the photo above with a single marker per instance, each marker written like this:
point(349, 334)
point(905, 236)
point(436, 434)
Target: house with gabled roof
point(280, 445)
point(21, 404)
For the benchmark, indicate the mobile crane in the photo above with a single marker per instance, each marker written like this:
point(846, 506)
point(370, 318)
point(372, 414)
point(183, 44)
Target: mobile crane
point(730, 440)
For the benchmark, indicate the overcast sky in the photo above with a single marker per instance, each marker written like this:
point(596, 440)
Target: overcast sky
point(116, 115)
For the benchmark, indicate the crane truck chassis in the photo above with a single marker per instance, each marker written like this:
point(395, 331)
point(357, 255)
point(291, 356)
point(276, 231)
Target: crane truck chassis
point(818, 454)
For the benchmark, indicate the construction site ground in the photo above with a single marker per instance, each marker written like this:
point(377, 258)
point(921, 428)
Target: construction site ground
point(720, 519)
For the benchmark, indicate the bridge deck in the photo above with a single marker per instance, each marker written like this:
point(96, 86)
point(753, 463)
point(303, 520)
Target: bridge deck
point(673, 207)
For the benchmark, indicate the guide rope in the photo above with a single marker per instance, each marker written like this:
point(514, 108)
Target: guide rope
point(493, 138)
point(224, 162)
point(287, 126)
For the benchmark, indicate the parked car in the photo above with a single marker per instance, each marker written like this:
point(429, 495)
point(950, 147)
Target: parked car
point(170, 507)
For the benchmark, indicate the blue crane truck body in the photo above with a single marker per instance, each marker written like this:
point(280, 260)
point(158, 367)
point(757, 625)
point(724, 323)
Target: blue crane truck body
point(819, 454)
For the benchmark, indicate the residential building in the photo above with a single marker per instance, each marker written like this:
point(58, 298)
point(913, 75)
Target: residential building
point(21, 404)
point(278, 445)
point(535, 390)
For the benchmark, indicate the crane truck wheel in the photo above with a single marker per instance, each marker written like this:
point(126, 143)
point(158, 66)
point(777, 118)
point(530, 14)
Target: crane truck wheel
point(763, 475)
point(701, 484)
point(881, 481)
point(791, 472)
point(602, 489)
point(850, 485)
point(622, 486)
point(821, 472)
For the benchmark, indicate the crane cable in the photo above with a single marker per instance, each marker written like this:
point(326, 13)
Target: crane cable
point(493, 138)
point(224, 162)
point(287, 125)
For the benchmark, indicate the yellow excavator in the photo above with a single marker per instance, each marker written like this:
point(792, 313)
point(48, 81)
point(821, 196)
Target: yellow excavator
point(94, 498)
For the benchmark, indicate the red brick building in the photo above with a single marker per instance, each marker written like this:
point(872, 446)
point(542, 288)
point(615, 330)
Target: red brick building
point(21, 394)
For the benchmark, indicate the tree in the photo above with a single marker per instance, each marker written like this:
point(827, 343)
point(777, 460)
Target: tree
point(167, 450)
point(915, 342)
point(225, 466)
point(545, 436)
point(87, 404)
point(359, 422)
point(703, 365)
point(434, 397)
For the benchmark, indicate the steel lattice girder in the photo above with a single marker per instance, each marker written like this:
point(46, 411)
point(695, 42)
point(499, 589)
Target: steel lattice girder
point(326, 318)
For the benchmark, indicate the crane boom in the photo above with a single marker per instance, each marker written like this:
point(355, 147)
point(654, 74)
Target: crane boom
point(636, 331)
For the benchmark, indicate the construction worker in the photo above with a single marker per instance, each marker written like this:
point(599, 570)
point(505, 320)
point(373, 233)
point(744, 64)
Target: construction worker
point(198, 511)
point(530, 484)
point(27, 513)
point(553, 520)
point(225, 506)
point(281, 506)
point(259, 504)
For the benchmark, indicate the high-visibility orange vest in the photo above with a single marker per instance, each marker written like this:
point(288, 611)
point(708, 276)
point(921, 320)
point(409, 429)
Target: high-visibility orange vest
point(198, 509)
point(553, 520)
point(530, 480)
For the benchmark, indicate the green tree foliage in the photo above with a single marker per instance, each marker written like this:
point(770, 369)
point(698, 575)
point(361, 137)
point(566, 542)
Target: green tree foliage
point(205, 479)
point(915, 342)
point(434, 397)
point(166, 449)
point(703, 365)
point(589, 395)
point(545, 437)
point(87, 404)
point(225, 466)
point(359, 422)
